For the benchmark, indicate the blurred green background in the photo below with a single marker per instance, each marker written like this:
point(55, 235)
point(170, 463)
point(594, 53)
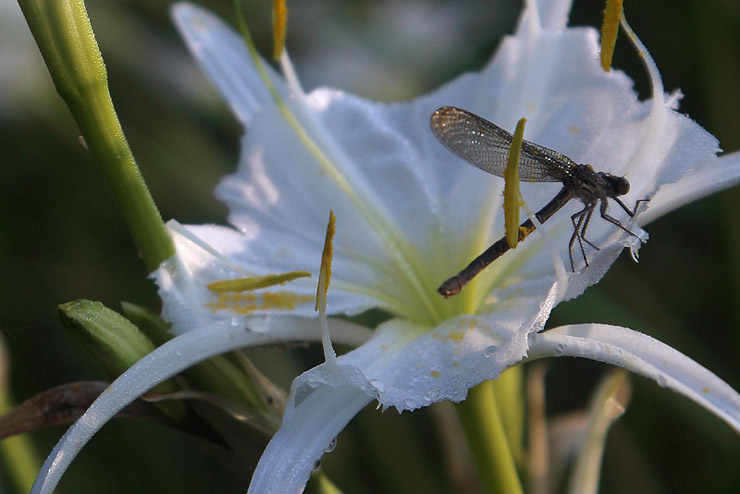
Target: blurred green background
point(61, 237)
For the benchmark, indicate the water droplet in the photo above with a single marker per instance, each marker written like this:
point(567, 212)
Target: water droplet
point(662, 380)
point(316, 465)
point(378, 384)
point(489, 351)
point(236, 321)
point(332, 446)
point(409, 403)
point(560, 349)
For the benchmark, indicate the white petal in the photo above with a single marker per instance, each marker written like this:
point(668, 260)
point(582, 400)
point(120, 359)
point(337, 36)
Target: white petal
point(642, 355)
point(166, 361)
point(294, 452)
point(552, 14)
point(721, 175)
point(380, 178)
point(408, 366)
point(205, 255)
point(409, 213)
point(403, 365)
point(223, 56)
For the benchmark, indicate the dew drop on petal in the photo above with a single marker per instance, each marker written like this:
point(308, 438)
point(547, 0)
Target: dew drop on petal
point(332, 446)
point(378, 384)
point(316, 465)
point(662, 380)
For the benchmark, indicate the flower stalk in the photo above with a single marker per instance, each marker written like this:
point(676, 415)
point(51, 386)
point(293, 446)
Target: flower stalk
point(65, 37)
point(17, 454)
point(486, 435)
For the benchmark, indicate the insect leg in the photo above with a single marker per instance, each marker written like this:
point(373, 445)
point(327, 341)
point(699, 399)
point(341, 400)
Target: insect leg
point(578, 219)
point(627, 210)
point(614, 221)
point(583, 230)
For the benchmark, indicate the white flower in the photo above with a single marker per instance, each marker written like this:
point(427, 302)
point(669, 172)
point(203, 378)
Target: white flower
point(409, 215)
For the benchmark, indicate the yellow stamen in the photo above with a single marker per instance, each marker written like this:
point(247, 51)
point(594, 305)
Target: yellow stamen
point(326, 258)
point(609, 29)
point(512, 197)
point(279, 26)
point(245, 284)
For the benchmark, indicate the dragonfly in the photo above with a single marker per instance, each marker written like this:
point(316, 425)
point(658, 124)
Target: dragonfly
point(486, 145)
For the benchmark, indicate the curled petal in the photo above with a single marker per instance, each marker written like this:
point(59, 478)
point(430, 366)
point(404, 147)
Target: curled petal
point(642, 355)
point(171, 358)
point(723, 174)
point(295, 451)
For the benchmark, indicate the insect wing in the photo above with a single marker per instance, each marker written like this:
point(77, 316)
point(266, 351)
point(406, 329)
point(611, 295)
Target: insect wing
point(486, 145)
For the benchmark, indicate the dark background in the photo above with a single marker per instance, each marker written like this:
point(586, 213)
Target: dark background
point(61, 237)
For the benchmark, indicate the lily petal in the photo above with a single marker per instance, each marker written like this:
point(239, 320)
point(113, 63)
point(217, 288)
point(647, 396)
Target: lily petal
point(295, 451)
point(452, 357)
point(642, 355)
point(205, 255)
point(408, 366)
point(223, 56)
point(401, 226)
point(720, 176)
point(166, 361)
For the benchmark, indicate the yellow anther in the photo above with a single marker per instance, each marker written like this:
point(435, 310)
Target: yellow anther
point(326, 258)
point(279, 27)
point(246, 284)
point(512, 196)
point(609, 29)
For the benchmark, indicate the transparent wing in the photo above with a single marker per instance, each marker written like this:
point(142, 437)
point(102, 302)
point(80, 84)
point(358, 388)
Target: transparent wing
point(486, 145)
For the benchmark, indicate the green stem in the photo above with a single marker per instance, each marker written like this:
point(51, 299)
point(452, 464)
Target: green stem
point(319, 483)
point(18, 456)
point(509, 389)
point(65, 37)
point(487, 438)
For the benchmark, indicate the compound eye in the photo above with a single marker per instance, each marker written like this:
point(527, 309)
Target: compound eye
point(622, 185)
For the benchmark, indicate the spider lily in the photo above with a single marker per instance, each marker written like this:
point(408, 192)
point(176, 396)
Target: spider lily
point(409, 215)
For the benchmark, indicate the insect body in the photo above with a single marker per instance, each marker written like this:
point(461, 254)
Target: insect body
point(486, 145)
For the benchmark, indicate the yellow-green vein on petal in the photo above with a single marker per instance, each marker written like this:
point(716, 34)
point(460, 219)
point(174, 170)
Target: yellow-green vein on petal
point(387, 232)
